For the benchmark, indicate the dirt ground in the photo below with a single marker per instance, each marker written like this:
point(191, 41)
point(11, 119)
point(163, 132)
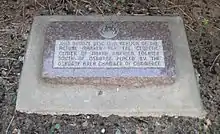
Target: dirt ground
point(202, 23)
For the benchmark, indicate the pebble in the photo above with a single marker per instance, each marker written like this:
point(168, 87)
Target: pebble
point(208, 122)
point(118, 13)
point(87, 6)
point(100, 92)
point(90, 9)
point(157, 123)
point(103, 131)
point(21, 58)
point(3, 72)
point(16, 131)
point(73, 124)
point(118, 131)
point(85, 124)
point(25, 36)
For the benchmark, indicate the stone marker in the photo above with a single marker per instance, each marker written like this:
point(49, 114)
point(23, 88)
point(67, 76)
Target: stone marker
point(109, 52)
point(124, 65)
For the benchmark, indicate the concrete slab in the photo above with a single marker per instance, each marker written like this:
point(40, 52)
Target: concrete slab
point(179, 99)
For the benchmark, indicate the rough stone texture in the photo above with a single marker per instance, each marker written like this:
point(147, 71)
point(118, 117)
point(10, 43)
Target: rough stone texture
point(36, 96)
point(128, 30)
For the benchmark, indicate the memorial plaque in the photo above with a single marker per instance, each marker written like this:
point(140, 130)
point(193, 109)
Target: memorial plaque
point(106, 65)
point(122, 53)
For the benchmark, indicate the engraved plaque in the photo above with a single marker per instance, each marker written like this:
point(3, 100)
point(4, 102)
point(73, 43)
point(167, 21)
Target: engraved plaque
point(108, 54)
point(122, 53)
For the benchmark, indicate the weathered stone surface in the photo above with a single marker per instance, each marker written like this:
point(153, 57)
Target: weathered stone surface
point(123, 53)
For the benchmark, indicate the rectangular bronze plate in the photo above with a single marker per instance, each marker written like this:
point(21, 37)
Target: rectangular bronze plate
point(123, 53)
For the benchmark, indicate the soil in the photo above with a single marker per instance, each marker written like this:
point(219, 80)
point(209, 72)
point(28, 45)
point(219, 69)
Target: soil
point(202, 23)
